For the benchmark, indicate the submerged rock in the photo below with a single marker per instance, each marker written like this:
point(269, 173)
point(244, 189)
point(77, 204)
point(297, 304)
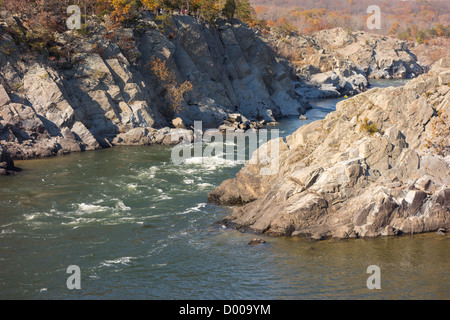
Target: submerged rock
point(255, 242)
point(6, 163)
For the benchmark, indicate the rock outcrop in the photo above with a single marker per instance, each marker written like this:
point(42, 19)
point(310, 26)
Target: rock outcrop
point(98, 91)
point(337, 62)
point(6, 163)
point(379, 165)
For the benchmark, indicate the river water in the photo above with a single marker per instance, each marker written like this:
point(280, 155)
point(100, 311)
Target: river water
point(140, 227)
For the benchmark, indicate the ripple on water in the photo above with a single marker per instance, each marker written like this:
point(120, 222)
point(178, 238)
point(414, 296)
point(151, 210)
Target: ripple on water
point(119, 261)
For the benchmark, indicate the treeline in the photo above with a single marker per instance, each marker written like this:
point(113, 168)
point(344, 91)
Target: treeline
point(422, 36)
point(210, 10)
point(41, 20)
point(52, 13)
point(419, 20)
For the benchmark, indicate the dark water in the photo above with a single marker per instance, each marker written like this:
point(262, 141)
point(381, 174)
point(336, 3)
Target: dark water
point(140, 227)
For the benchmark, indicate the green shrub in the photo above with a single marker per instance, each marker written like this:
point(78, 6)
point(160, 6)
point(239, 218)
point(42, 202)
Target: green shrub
point(370, 128)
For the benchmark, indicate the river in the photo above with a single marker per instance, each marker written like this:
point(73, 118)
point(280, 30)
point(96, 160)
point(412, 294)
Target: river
point(140, 227)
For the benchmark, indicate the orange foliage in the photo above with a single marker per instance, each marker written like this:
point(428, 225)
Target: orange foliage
point(174, 93)
point(398, 15)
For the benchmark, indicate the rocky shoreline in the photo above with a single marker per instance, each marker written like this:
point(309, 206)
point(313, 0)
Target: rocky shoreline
point(97, 91)
point(377, 166)
point(6, 163)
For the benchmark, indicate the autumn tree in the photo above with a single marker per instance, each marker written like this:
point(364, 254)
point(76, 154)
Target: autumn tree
point(152, 5)
point(244, 10)
point(174, 92)
point(209, 10)
point(195, 5)
point(124, 10)
point(394, 28)
point(229, 9)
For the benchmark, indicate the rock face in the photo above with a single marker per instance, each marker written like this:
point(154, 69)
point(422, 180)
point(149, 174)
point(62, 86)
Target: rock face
point(379, 57)
point(337, 62)
point(100, 92)
point(379, 165)
point(6, 163)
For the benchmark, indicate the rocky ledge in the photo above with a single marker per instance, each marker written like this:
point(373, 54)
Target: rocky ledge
point(95, 89)
point(6, 163)
point(379, 165)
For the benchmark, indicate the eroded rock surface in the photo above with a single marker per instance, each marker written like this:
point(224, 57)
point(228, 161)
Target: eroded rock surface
point(6, 163)
point(337, 62)
point(100, 92)
point(379, 165)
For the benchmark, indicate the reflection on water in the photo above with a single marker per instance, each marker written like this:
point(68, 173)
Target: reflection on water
point(139, 226)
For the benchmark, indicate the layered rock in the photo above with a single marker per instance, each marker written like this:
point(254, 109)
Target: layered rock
point(338, 62)
point(379, 165)
point(380, 57)
point(100, 91)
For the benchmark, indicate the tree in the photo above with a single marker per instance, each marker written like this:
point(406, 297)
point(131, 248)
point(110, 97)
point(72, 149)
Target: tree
point(394, 28)
point(124, 10)
point(174, 93)
point(195, 5)
point(420, 36)
point(209, 10)
point(152, 5)
point(244, 10)
point(172, 4)
point(229, 9)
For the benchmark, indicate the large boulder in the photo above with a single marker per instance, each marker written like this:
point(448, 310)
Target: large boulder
point(379, 165)
point(6, 162)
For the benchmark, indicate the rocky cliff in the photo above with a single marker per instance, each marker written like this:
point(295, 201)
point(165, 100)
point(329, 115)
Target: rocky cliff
point(379, 165)
point(93, 88)
point(336, 62)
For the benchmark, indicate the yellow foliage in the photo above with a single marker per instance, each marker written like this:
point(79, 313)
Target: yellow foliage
point(121, 9)
point(152, 4)
point(440, 134)
point(174, 92)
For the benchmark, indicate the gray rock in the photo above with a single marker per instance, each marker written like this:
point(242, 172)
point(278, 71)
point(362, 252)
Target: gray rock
point(6, 163)
point(4, 97)
point(335, 179)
